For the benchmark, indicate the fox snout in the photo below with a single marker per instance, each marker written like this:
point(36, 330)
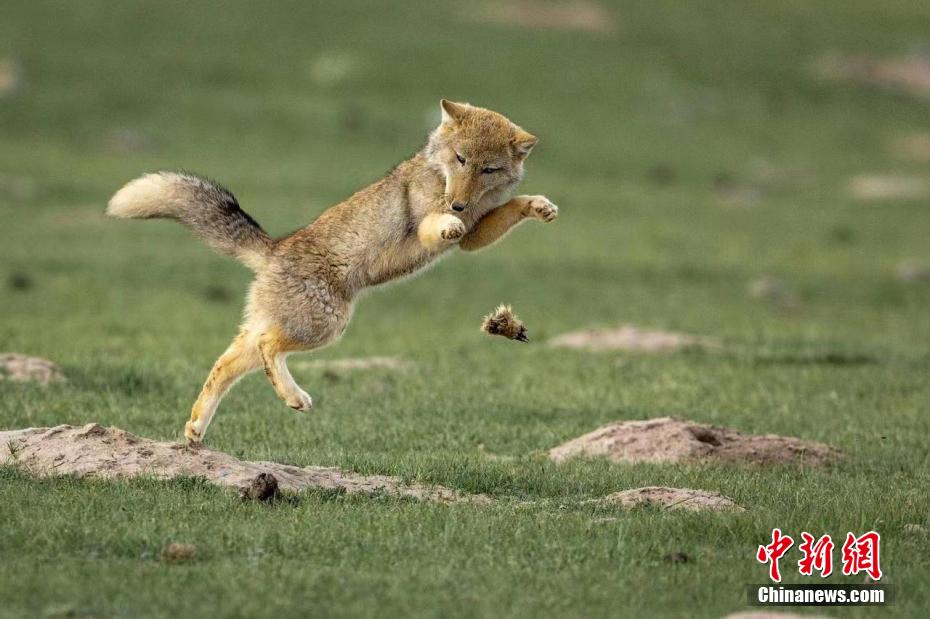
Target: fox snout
point(462, 191)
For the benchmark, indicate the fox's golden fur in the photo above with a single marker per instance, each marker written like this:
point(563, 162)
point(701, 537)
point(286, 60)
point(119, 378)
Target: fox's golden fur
point(455, 191)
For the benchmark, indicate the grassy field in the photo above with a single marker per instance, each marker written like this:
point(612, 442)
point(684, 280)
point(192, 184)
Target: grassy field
point(691, 150)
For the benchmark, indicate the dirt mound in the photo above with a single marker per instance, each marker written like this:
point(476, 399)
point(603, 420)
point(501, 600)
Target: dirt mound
point(332, 67)
point(354, 363)
point(95, 451)
point(672, 498)
point(888, 187)
point(915, 147)
point(774, 291)
point(909, 74)
point(21, 368)
point(914, 271)
point(771, 614)
point(627, 338)
point(11, 77)
point(177, 553)
point(670, 439)
point(578, 15)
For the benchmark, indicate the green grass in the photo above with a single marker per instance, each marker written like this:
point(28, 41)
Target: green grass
point(136, 313)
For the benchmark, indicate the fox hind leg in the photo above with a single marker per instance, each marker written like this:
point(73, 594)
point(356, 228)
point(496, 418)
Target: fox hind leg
point(242, 357)
point(274, 346)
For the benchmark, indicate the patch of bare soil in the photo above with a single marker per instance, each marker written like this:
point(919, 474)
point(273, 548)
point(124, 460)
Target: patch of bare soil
point(95, 451)
point(127, 141)
point(331, 67)
point(888, 187)
point(774, 291)
point(736, 193)
point(770, 614)
point(354, 363)
point(909, 74)
point(914, 271)
point(577, 15)
point(628, 338)
point(670, 439)
point(11, 77)
point(178, 553)
point(18, 188)
point(915, 147)
point(673, 498)
point(20, 368)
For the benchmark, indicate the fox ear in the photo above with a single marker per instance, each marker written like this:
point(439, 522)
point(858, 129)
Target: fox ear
point(452, 112)
point(523, 144)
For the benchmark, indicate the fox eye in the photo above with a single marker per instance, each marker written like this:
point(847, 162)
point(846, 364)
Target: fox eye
point(490, 170)
point(460, 158)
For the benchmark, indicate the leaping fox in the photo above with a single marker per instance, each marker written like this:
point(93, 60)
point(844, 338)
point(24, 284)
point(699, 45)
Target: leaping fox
point(455, 191)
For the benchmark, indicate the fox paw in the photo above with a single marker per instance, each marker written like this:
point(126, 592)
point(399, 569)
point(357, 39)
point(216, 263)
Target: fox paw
point(191, 433)
point(542, 209)
point(300, 401)
point(452, 229)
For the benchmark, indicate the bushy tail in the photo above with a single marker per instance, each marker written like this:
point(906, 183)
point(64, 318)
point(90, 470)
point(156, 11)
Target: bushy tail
point(209, 210)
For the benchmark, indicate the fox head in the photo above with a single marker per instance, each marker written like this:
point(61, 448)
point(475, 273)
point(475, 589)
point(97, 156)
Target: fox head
point(478, 152)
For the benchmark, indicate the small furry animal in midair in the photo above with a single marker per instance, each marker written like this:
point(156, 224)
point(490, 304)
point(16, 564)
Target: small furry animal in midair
point(455, 191)
point(502, 321)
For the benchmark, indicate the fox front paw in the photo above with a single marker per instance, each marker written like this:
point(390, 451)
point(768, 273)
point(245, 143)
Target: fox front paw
point(191, 433)
point(452, 229)
point(541, 208)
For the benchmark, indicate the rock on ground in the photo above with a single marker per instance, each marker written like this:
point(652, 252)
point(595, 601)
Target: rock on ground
point(626, 338)
point(671, 439)
point(95, 451)
point(21, 368)
point(673, 498)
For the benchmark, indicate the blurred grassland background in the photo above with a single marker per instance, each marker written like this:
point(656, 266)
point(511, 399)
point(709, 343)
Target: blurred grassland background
point(753, 172)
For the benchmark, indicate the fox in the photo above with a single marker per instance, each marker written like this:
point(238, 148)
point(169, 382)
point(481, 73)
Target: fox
point(457, 190)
